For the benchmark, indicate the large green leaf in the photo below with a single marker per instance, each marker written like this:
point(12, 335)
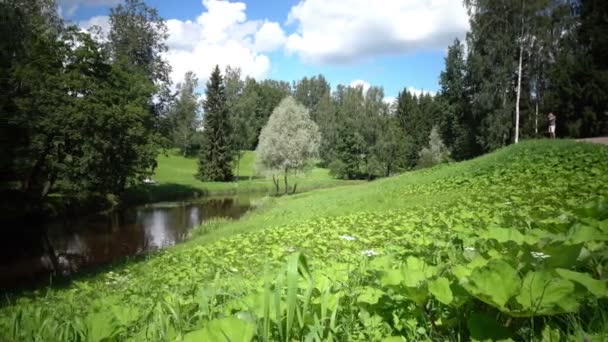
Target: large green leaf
point(596, 287)
point(543, 293)
point(503, 235)
point(370, 295)
point(392, 278)
point(416, 270)
point(229, 329)
point(581, 233)
point(440, 288)
point(495, 283)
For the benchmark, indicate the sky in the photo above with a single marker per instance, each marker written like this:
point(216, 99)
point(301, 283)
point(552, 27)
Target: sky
point(395, 44)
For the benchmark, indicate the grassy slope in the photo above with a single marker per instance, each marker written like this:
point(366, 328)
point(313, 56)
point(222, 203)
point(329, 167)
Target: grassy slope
point(175, 176)
point(515, 183)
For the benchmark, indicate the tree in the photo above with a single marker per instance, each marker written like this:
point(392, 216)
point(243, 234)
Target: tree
point(137, 40)
point(185, 113)
point(215, 160)
point(457, 126)
point(289, 142)
point(391, 146)
point(435, 153)
point(237, 112)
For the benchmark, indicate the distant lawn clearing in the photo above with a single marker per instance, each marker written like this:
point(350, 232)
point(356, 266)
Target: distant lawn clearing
point(175, 179)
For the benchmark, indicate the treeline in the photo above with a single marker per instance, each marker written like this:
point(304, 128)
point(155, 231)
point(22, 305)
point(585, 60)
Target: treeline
point(88, 112)
point(523, 60)
point(82, 113)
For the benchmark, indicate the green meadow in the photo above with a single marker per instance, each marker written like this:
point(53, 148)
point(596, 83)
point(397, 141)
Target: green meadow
point(175, 178)
point(508, 246)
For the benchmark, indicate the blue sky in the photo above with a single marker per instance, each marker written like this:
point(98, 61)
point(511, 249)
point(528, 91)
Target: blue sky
point(395, 44)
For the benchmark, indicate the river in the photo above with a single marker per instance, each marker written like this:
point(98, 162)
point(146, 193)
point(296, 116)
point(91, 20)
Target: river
point(27, 255)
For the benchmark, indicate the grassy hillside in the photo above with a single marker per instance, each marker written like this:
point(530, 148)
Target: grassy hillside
point(509, 245)
point(175, 177)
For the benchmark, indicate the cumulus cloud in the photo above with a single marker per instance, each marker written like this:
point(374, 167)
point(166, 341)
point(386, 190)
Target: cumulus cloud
point(222, 35)
point(343, 31)
point(270, 37)
point(102, 21)
point(69, 7)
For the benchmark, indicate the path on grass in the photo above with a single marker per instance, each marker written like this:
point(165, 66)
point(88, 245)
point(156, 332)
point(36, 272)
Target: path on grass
point(598, 140)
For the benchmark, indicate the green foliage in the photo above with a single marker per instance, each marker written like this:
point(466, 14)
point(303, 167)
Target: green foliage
point(288, 143)
point(463, 251)
point(216, 154)
point(435, 153)
point(185, 116)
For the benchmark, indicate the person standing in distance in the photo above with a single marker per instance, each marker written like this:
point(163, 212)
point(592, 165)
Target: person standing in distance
point(552, 119)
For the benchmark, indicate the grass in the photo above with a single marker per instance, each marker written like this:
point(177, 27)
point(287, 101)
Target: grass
point(175, 177)
point(448, 238)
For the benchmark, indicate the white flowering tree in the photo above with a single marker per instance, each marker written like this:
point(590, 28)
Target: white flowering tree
point(288, 144)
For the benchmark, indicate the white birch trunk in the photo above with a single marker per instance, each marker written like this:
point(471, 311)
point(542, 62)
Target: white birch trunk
point(521, 54)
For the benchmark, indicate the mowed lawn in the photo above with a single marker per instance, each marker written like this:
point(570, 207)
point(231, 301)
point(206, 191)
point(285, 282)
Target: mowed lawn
point(176, 171)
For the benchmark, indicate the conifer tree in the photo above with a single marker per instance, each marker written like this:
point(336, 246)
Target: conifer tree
point(215, 160)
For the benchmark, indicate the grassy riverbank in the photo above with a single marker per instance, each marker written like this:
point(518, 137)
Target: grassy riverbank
point(509, 245)
point(175, 179)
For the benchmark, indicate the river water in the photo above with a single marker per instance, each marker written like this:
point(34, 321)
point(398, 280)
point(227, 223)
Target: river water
point(27, 254)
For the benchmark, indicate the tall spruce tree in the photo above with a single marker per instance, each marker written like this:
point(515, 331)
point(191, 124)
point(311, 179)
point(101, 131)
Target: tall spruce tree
point(215, 160)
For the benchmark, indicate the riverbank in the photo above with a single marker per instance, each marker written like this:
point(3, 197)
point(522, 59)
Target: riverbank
point(174, 180)
point(444, 251)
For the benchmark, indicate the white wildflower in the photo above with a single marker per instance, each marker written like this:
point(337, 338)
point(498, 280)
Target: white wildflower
point(290, 249)
point(348, 237)
point(470, 249)
point(369, 252)
point(232, 269)
point(540, 255)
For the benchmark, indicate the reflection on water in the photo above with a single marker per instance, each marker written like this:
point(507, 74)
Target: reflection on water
point(27, 255)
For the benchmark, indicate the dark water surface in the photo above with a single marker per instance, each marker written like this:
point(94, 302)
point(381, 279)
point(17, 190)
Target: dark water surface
point(27, 254)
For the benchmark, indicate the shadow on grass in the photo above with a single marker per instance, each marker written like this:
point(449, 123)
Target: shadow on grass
point(161, 193)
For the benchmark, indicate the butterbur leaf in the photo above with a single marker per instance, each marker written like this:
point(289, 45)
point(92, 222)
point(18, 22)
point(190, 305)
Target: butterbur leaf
point(596, 287)
point(370, 295)
point(581, 233)
point(503, 235)
point(392, 278)
point(541, 293)
point(561, 255)
point(416, 270)
point(229, 329)
point(440, 288)
point(495, 283)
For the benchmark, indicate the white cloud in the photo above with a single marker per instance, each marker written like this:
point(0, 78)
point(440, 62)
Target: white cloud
point(342, 31)
point(69, 7)
point(360, 83)
point(389, 100)
point(102, 21)
point(270, 37)
point(221, 35)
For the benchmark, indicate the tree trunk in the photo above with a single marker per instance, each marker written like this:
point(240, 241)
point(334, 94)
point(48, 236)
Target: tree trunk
point(295, 185)
point(275, 180)
point(519, 67)
point(285, 179)
point(521, 54)
point(536, 117)
point(48, 248)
